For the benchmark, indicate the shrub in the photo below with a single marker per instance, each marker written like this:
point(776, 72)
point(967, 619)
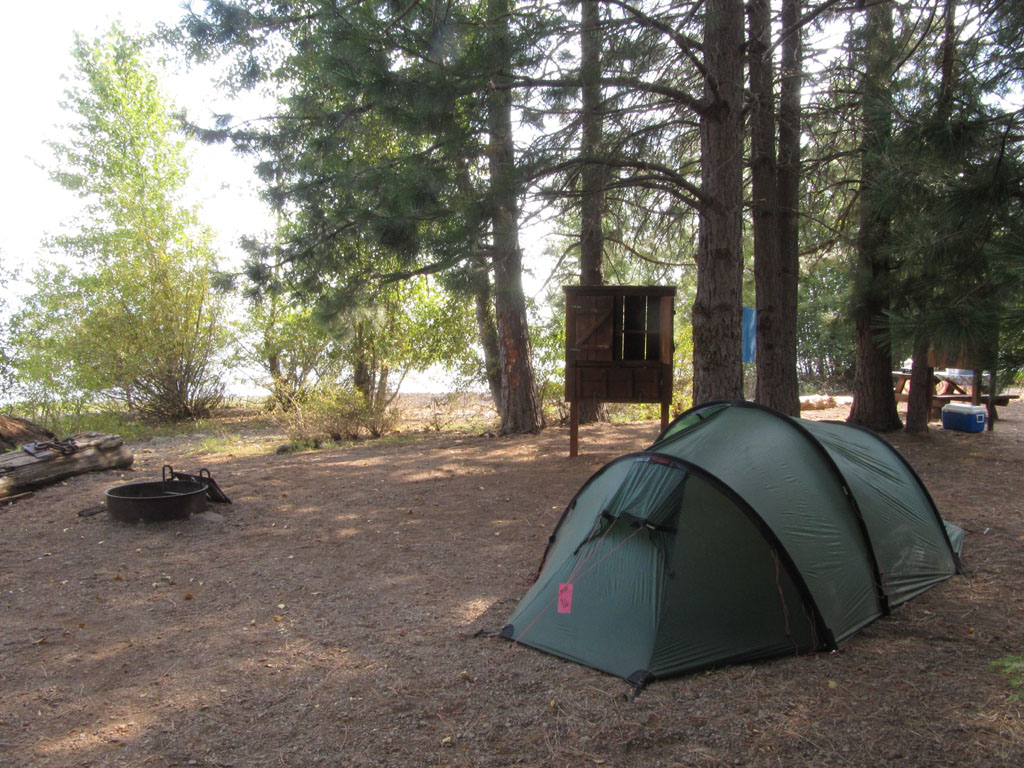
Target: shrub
point(334, 413)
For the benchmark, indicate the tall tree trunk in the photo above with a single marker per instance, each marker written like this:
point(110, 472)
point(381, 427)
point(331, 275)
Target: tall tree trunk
point(764, 196)
point(777, 284)
point(281, 392)
point(362, 370)
point(789, 172)
point(873, 403)
point(717, 308)
point(592, 174)
point(487, 330)
point(521, 410)
point(948, 59)
point(919, 403)
point(774, 278)
point(919, 400)
point(480, 278)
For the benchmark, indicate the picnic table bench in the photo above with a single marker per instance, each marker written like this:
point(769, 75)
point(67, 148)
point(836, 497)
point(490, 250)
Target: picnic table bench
point(945, 389)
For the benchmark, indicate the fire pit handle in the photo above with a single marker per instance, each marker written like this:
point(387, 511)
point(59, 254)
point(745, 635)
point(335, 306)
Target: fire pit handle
point(168, 473)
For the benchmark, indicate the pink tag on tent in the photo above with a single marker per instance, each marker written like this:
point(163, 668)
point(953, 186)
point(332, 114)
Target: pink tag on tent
point(565, 598)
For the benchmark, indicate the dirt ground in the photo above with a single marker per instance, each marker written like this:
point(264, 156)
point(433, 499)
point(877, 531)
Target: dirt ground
point(329, 616)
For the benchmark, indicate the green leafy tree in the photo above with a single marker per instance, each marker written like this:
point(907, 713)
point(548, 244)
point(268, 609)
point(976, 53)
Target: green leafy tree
point(404, 326)
point(279, 344)
point(288, 350)
point(825, 342)
point(7, 352)
point(313, 337)
point(137, 319)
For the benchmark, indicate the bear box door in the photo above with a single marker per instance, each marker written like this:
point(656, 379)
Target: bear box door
point(589, 334)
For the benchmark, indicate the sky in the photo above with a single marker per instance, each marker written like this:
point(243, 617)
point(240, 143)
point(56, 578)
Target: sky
point(35, 45)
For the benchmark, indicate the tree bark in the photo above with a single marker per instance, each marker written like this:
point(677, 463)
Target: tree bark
point(774, 275)
point(20, 471)
point(717, 308)
point(764, 196)
point(487, 330)
point(789, 172)
point(592, 174)
point(873, 403)
point(521, 409)
point(362, 370)
point(483, 298)
point(947, 59)
point(776, 192)
point(919, 400)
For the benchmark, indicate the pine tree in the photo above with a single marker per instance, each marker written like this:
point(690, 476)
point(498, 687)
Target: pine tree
point(395, 134)
point(717, 310)
point(955, 181)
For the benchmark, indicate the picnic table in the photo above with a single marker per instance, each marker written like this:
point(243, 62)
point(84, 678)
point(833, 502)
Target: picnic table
point(946, 388)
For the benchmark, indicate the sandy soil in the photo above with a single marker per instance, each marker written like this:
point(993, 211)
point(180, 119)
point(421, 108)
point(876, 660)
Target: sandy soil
point(330, 616)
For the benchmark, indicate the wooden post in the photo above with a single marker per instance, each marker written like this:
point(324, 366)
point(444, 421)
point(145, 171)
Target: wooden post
point(574, 427)
point(666, 355)
point(930, 397)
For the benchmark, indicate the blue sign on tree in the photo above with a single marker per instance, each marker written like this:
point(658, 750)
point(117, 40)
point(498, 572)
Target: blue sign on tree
point(749, 334)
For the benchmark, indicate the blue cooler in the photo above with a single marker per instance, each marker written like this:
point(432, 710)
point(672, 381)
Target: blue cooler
point(964, 417)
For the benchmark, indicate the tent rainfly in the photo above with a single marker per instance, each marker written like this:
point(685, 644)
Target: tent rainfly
point(740, 534)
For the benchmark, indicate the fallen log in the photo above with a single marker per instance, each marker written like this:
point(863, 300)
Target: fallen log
point(14, 431)
point(823, 402)
point(39, 464)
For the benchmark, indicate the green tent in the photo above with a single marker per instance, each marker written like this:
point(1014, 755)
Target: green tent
point(740, 534)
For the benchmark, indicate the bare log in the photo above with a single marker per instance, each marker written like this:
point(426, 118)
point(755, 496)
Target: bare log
point(92, 451)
